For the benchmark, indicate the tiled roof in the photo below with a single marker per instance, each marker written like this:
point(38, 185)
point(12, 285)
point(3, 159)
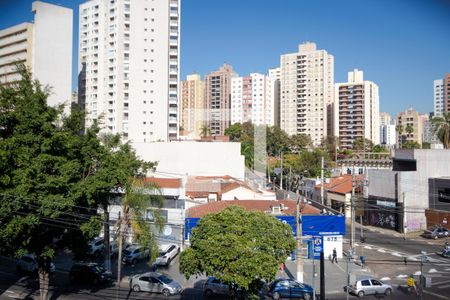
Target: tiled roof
point(250, 205)
point(167, 183)
point(341, 184)
point(201, 186)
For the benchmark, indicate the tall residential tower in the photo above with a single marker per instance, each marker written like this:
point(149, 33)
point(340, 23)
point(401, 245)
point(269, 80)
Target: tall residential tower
point(357, 112)
point(192, 105)
point(306, 102)
point(129, 67)
point(45, 46)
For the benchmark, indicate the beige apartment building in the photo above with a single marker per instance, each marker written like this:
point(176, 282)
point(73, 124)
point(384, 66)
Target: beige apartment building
point(307, 92)
point(218, 99)
point(45, 47)
point(357, 112)
point(192, 106)
point(409, 126)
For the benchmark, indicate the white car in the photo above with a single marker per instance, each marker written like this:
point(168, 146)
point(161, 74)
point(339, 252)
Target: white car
point(28, 263)
point(166, 254)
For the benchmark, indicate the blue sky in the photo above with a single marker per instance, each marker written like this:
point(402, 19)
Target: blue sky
point(402, 45)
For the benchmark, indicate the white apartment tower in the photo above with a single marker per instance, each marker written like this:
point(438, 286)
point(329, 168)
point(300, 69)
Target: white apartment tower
point(129, 67)
point(388, 135)
point(44, 46)
point(306, 83)
point(357, 112)
point(438, 94)
point(250, 100)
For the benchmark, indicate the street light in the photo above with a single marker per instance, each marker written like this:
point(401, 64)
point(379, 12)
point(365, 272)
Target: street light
point(349, 258)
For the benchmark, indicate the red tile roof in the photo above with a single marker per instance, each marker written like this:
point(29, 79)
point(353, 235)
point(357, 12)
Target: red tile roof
point(165, 183)
point(202, 186)
point(250, 205)
point(341, 184)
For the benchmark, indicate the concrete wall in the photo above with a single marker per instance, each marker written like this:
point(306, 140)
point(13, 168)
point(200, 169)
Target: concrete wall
point(52, 50)
point(194, 158)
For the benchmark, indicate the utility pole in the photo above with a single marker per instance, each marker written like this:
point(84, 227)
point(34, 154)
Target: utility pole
point(404, 218)
point(290, 178)
point(321, 180)
point(299, 242)
point(106, 243)
point(322, 276)
point(352, 209)
point(281, 174)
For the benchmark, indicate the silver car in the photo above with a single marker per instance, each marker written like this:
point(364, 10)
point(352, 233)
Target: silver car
point(369, 287)
point(135, 253)
point(155, 283)
point(166, 254)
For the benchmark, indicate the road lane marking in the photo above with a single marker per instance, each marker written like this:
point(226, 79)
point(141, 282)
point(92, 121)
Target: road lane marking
point(381, 250)
point(396, 254)
point(435, 295)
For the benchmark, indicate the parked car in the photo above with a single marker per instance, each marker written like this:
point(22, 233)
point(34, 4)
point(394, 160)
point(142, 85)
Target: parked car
point(369, 287)
point(435, 232)
point(29, 263)
point(113, 249)
point(214, 286)
point(155, 283)
point(96, 246)
point(167, 254)
point(89, 273)
point(133, 254)
point(289, 288)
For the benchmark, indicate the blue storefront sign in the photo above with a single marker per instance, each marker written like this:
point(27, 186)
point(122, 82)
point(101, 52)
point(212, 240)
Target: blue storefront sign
point(313, 226)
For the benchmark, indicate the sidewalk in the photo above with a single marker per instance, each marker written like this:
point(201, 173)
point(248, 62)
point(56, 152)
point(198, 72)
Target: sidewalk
point(335, 274)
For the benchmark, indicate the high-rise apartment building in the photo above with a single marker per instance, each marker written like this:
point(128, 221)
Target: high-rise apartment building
point(438, 93)
point(357, 112)
point(410, 126)
point(274, 77)
point(388, 135)
point(45, 46)
point(192, 105)
point(446, 91)
point(218, 99)
point(251, 101)
point(129, 67)
point(428, 133)
point(306, 101)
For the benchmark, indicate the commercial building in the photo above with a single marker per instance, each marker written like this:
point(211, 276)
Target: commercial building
point(410, 127)
point(251, 101)
point(388, 135)
point(356, 111)
point(192, 105)
point(129, 67)
point(218, 99)
point(306, 101)
point(399, 198)
point(44, 46)
point(446, 90)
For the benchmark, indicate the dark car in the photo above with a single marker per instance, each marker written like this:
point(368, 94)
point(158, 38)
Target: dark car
point(89, 273)
point(436, 232)
point(288, 288)
point(444, 253)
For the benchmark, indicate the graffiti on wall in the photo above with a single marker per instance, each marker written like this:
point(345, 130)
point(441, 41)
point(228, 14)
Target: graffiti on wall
point(383, 219)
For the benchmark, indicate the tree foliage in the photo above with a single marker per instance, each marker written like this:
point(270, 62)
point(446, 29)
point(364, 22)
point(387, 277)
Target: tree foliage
point(54, 173)
point(238, 247)
point(362, 144)
point(441, 127)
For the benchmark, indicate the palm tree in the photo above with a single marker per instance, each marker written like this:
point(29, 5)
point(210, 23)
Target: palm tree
point(399, 129)
point(140, 199)
point(441, 127)
point(204, 130)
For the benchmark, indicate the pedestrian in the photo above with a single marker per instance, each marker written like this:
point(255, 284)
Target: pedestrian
point(334, 259)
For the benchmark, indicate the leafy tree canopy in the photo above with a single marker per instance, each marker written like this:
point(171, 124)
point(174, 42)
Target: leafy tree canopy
point(441, 127)
point(238, 247)
point(362, 144)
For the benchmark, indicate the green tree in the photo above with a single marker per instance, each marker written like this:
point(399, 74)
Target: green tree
point(234, 132)
point(238, 247)
point(330, 145)
point(441, 127)
point(362, 144)
point(299, 142)
point(399, 128)
point(409, 129)
point(277, 141)
point(53, 178)
point(411, 145)
point(379, 149)
point(205, 130)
